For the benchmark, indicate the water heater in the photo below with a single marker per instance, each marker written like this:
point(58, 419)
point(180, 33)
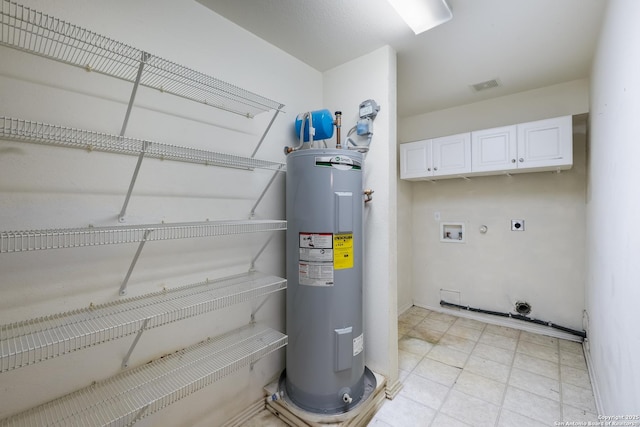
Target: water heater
point(325, 368)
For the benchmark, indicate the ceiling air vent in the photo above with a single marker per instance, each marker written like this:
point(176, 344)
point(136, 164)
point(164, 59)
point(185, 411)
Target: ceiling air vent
point(489, 84)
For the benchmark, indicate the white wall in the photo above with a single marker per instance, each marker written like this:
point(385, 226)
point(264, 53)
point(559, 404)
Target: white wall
point(405, 249)
point(374, 76)
point(613, 209)
point(49, 187)
point(543, 265)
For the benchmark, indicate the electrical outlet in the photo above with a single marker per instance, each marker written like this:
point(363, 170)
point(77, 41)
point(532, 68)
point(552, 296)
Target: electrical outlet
point(517, 225)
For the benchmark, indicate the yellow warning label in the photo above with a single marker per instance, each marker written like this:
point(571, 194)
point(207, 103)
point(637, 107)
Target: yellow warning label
point(342, 251)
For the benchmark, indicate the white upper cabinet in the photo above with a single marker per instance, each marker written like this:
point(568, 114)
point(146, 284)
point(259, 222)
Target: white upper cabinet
point(436, 158)
point(543, 145)
point(494, 149)
point(452, 155)
point(415, 159)
point(546, 144)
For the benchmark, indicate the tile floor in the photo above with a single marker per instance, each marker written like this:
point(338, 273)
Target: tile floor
point(461, 372)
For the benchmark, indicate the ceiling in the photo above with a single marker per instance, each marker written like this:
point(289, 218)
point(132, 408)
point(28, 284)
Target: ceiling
point(524, 44)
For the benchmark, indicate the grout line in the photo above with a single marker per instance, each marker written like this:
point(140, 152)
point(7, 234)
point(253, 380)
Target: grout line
point(561, 398)
point(446, 396)
point(506, 386)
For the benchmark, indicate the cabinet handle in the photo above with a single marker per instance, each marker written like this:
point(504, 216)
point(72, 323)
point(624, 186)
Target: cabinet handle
point(428, 169)
point(435, 169)
point(513, 160)
point(521, 160)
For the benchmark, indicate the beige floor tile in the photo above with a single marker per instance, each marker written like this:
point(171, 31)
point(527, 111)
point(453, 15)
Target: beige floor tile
point(470, 323)
point(540, 351)
point(537, 366)
point(503, 331)
point(402, 375)
point(481, 387)
point(532, 406)
point(377, 422)
point(512, 419)
point(419, 310)
point(407, 361)
point(571, 346)
point(578, 397)
point(470, 410)
point(534, 383)
point(574, 360)
point(442, 420)
point(410, 318)
point(437, 371)
point(402, 412)
point(448, 356)
point(434, 325)
point(495, 354)
point(465, 332)
point(577, 377)
point(424, 391)
point(442, 317)
point(457, 343)
point(493, 340)
point(487, 368)
point(539, 339)
point(414, 345)
point(569, 413)
point(426, 335)
point(403, 329)
point(264, 419)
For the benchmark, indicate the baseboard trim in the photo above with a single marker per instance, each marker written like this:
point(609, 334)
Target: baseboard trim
point(404, 308)
point(246, 414)
point(392, 390)
point(504, 321)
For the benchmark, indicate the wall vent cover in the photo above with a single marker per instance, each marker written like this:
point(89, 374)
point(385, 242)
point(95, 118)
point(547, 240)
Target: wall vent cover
point(489, 84)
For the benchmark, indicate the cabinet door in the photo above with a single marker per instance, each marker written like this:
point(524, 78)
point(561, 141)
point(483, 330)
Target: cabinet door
point(452, 155)
point(415, 159)
point(545, 143)
point(494, 149)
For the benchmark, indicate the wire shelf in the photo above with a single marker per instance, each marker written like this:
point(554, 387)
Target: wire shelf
point(47, 134)
point(32, 341)
point(32, 31)
point(33, 240)
point(141, 391)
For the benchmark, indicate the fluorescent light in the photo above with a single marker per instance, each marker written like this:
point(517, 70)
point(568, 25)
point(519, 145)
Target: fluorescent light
point(422, 15)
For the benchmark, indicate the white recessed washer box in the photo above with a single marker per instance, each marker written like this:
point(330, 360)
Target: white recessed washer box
point(452, 232)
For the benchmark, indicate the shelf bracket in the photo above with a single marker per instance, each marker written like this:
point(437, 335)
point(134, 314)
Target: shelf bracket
point(123, 286)
point(266, 131)
point(255, 310)
point(123, 211)
point(252, 267)
point(273, 178)
point(143, 60)
point(125, 362)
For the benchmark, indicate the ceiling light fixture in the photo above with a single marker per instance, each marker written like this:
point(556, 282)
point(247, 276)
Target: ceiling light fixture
point(422, 15)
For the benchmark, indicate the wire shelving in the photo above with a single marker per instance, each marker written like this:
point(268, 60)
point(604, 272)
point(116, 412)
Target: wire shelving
point(32, 31)
point(47, 134)
point(32, 341)
point(133, 394)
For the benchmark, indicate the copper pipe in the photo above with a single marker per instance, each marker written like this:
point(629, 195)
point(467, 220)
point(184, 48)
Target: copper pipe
point(368, 195)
